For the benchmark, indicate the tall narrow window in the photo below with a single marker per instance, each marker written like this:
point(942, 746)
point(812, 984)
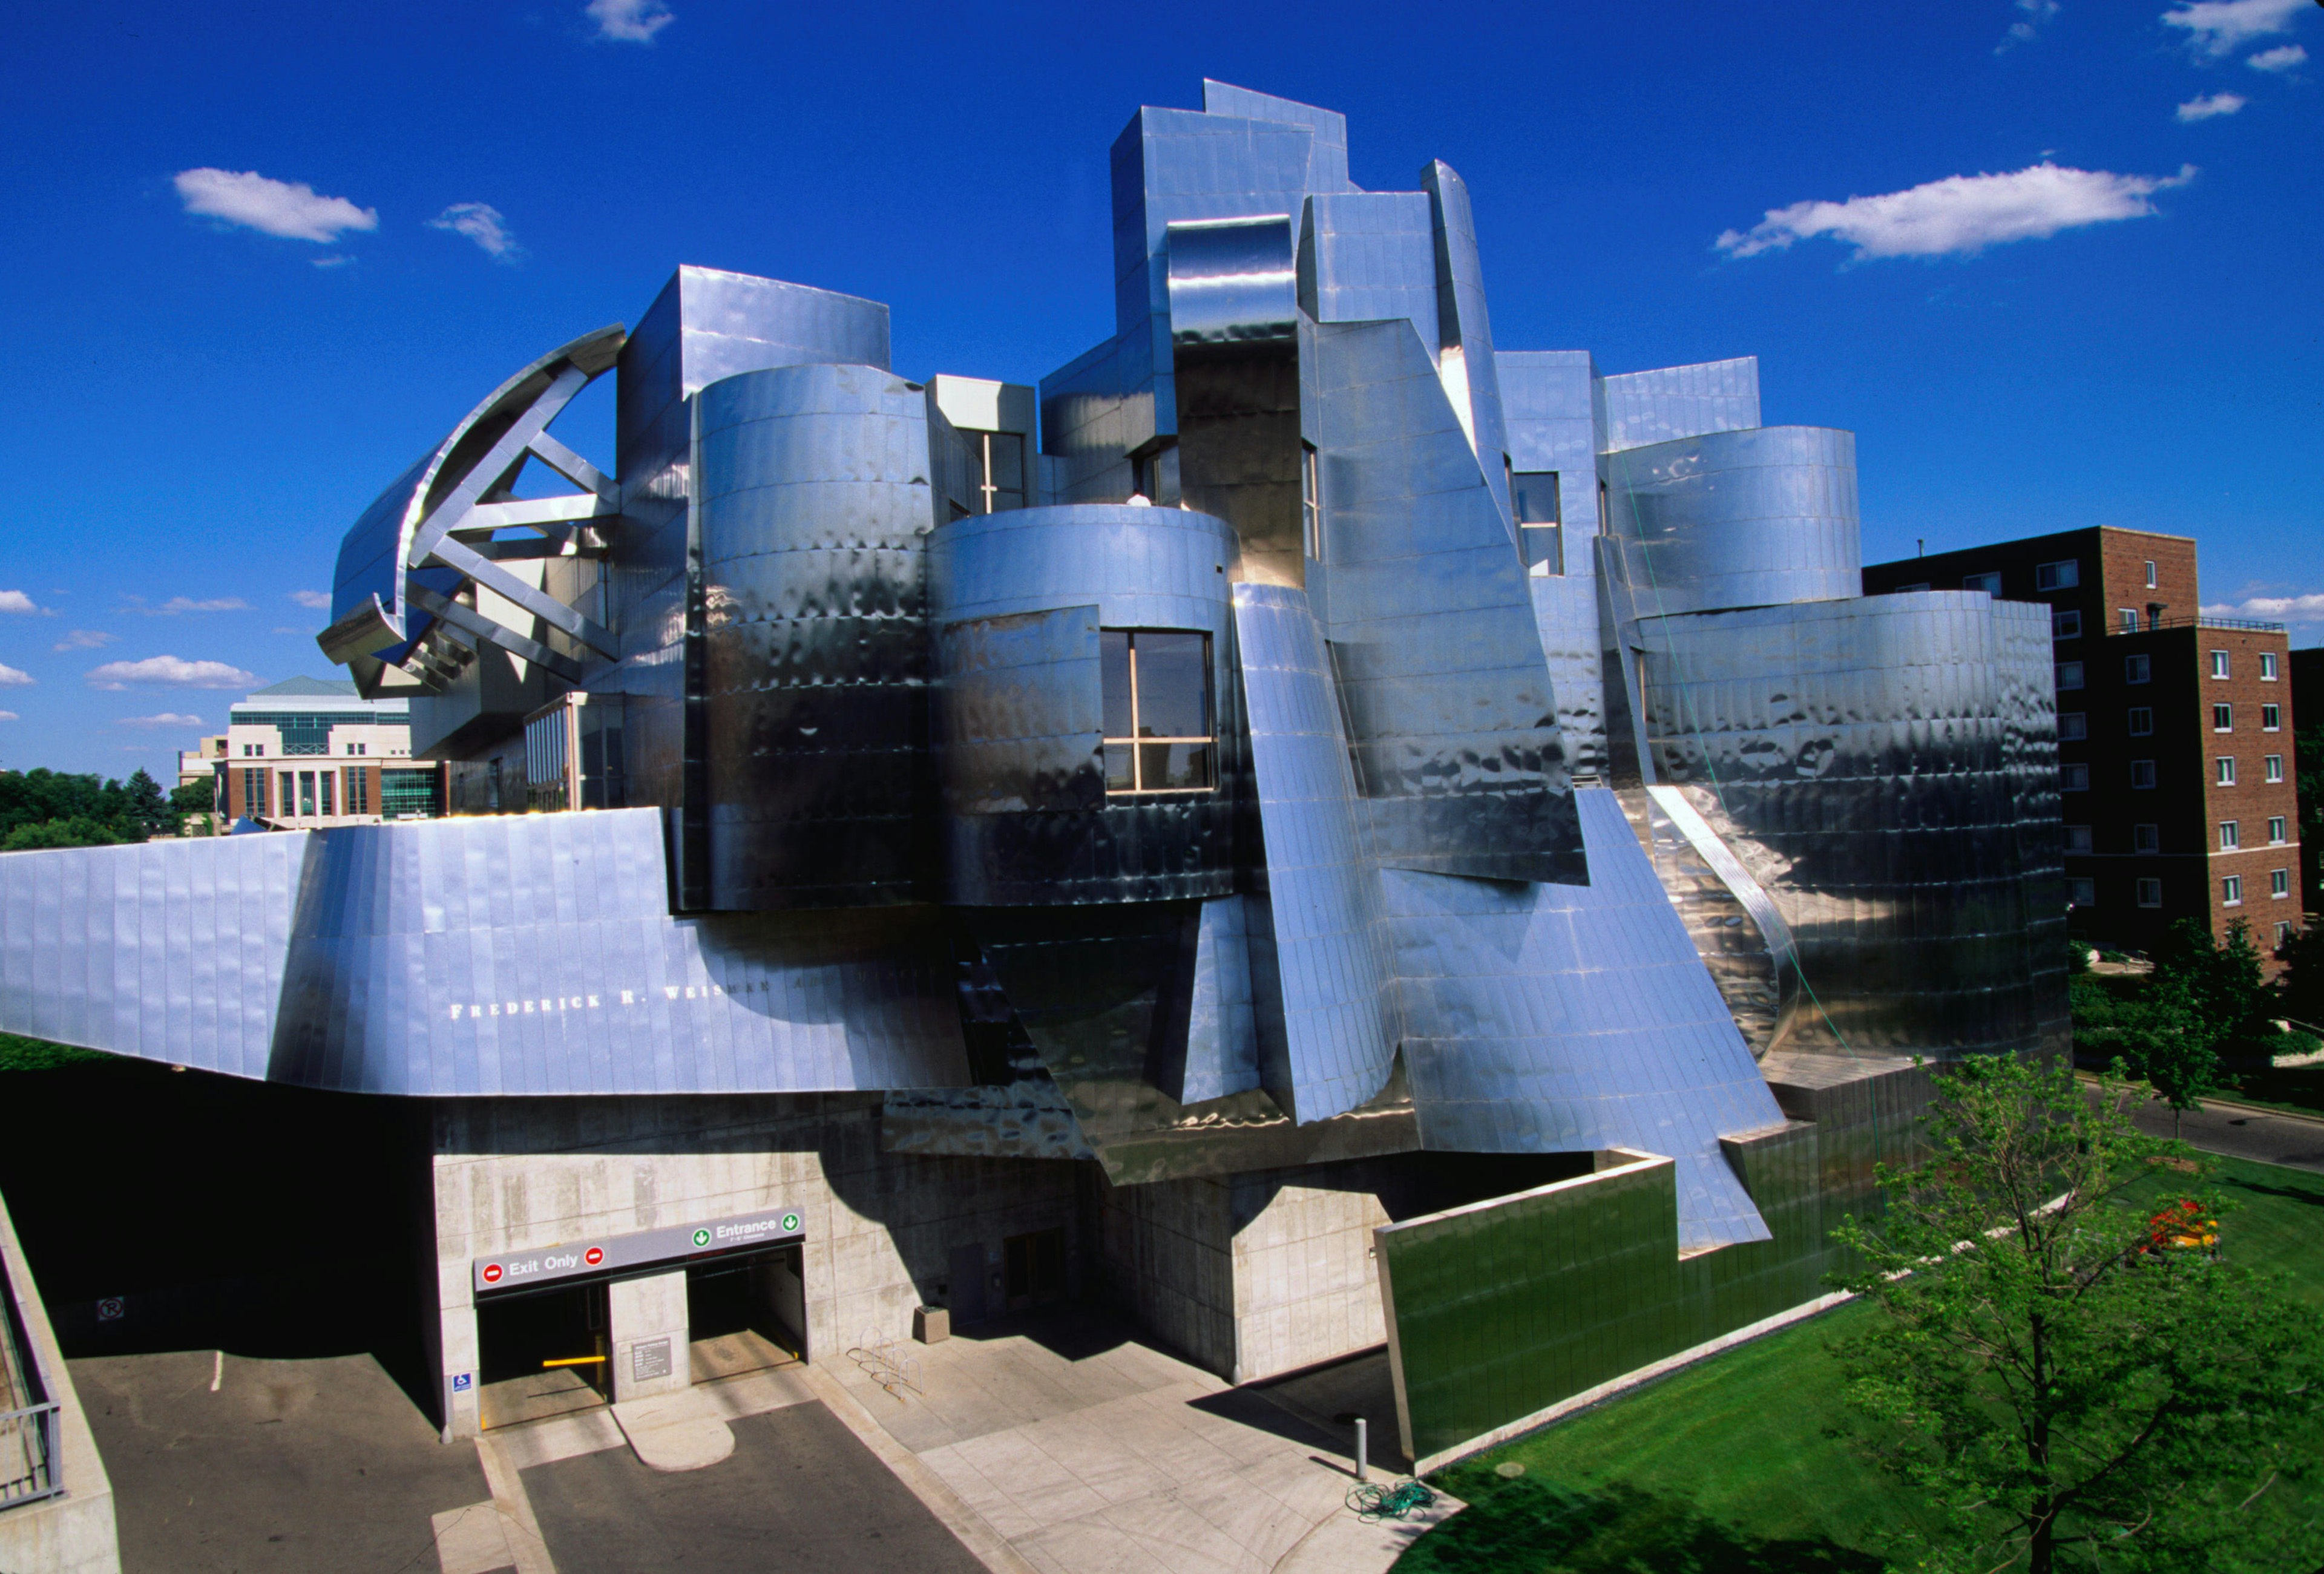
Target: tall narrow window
point(2223, 718)
point(2267, 666)
point(287, 804)
point(2231, 890)
point(1532, 494)
point(2224, 770)
point(328, 782)
point(2137, 670)
point(2279, 883)
point(2150, 893)
point(2276, 827)
point(2271, 718)
point(306, 793)
point(2272, 767)
point(2150, 576)
point(359, 793)
point(1158, 736)
point(2142, 721)
point(2142, 773)
point(2231, 835)
point(2219, 665)
point(2147, 838)
point(1311, 500)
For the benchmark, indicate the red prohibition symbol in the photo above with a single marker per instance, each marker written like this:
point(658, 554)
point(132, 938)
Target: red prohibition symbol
point(594, 1255)
point(492, 1272)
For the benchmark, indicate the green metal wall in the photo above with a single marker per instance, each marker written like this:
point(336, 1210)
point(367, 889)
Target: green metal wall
point(1500, 1310)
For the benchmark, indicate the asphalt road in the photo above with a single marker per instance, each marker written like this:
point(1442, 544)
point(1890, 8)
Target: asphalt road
point(2242, 1133)
point(799, 1493)
point(289, 1466)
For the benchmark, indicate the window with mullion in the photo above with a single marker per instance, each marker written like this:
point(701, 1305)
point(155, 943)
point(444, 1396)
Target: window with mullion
point(1159, 737)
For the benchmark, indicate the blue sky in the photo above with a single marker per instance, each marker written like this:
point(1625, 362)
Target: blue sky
point(210, 371)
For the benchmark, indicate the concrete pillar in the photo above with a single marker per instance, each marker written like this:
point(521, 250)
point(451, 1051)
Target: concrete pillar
point(647, 1324)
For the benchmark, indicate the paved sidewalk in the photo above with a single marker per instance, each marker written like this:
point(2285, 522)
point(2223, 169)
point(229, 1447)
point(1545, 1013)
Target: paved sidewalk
point(2242, 1131)
point(1090, 1451)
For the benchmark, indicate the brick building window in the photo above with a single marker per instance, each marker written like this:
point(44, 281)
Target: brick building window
point(2063, 575)
point(2150, 893)
point(2070, 675)
point(2267, 666)
point(2129, 618)
point(2275, 830)
point(2272, 767)
point(2220, 664)
point(2066, 625)
point(2231, 835)
point(2077, 838)
point(2137, 669)
point(2150, 576)
point(1988, 582)
point(2147, 838)
point(2231, 890)
point(2142, 773)
point(2279, 883)
point(2223, 718)
point(2082, 893)
point(2142, 722)
point(2073, 726)
point(358, 792)
point(2073, 778)
point(2271, 718)
point(2223, 771)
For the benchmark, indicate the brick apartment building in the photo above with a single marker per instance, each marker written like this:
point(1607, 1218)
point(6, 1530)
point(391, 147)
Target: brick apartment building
point(2175, 752)
point(308, 752)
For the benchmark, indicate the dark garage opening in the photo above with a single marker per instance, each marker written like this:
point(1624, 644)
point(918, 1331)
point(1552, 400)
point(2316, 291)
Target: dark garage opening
point(541, 1352)
point(746, 1312)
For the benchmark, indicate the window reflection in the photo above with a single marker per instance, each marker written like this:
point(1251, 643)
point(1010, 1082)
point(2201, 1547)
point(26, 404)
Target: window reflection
point(1159, 737)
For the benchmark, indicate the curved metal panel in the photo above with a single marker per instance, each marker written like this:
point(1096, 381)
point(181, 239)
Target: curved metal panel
point(1885, 768)
point(1465, 363)
point(1432, 638)
point(1737, 518)
point(520, 954)
point(1552, 1019)
point(1738, 929)
point(813, 504)
point(1138, 568)
point(1327, 1032)
point(1231, 281)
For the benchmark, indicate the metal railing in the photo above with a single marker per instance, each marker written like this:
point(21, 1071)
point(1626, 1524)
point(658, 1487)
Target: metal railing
point(2199, 620)
point(31, 1452)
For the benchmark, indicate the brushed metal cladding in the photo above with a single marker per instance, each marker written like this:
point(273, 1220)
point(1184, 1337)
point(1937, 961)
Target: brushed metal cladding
point(170, 951)
point(1679, 401)
point(1550, 405)
point(1737, 928)
point(1326, 1020)
point(1139, 568)
point(1878, 765)
point(1016, 719)
point(1451, 716)
point(1327, 153)
point(705, 324)
point(1231, 281)
point(1565, 617)
point(1370, 256)
point(1465, 332)
point(1222, 1041)
point(1014, 1110)
point(1738, 518)
point(501, 956)
point(812, 508)
point(1553, 1018)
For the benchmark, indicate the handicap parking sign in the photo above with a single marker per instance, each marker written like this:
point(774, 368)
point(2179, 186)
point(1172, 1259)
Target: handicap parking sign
point(461, 1380)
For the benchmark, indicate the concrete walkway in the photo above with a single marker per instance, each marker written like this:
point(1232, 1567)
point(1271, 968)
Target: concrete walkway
point(1088, 1452)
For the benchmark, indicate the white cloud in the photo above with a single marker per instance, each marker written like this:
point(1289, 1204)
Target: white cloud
point(287, 629)
point(2219, 27)
point(2205, 105)
point(2273, 609)
point(277, 208)
point(629, 21)
point(335, 260)
point(10, 716)
point(2282, 58)
point(183, 603)
point(1960, 214)
point(164, 719)
point(17, 601)
point(482, 222)
point(85, 639)
point(170, 672)
point(314, 600)
point(15, 676)
point(2022, 30)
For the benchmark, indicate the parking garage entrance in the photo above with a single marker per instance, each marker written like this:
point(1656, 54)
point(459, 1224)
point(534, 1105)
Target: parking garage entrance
point(746, 1311)
point(541, 1352)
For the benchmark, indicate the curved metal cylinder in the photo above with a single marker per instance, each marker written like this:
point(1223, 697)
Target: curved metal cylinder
point(812, 506)
point(1737, 518)
point(1018, 599)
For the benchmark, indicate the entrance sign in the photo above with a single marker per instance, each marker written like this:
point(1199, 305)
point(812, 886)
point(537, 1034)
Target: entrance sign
point(605, 1254)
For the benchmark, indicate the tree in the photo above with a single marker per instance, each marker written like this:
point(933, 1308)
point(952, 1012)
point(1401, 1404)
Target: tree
point(2075, 1379)
point(81, 831)
point(2164, 1040)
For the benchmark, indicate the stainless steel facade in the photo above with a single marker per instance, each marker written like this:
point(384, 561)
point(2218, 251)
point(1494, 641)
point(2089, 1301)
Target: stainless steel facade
point(1539, 766)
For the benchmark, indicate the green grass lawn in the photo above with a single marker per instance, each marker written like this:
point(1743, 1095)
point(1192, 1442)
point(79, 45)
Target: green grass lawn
point(18, 1054)
point(1741, 1464)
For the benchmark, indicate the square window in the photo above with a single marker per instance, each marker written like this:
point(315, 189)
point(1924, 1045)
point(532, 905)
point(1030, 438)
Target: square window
point(2128, 618)
point(2136, 668)
point(2271, 718)
point(2077, 838)
point(2223, 718)
point(2066, 625)
point(2063, 575)
point(2073, 778)
point(2231, 890)
point(1154, 695)
point(2275, 830)
point(2070, 675)
point(2082, 893)
point(2142, 773)
point(2223, 771)
point(2150, 893)
point(1988, 582)
point(2073, 726)
point(2279, 883)
point(2219, 667)
point(2272, 767)
point(2267, 666)
point(2231, 835)
point(2146, 839)
point(2142, 722)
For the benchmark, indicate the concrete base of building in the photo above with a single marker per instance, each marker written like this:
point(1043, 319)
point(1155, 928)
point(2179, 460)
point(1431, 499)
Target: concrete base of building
point(74, 1531)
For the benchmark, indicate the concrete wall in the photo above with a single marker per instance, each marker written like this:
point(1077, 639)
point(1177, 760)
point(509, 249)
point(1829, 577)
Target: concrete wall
point(73, 1533)
point(510, 1174)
